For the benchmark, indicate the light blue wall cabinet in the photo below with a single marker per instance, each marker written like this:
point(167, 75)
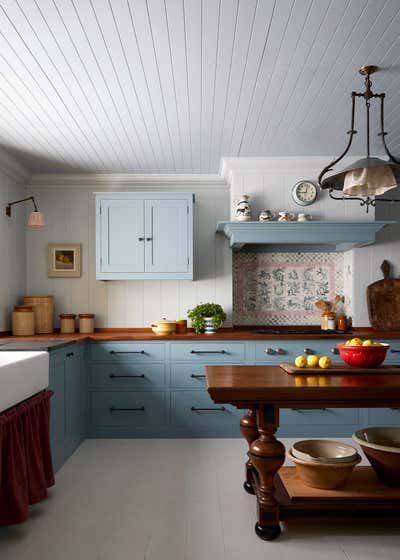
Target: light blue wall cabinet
point(144, 236)
point(68, 404)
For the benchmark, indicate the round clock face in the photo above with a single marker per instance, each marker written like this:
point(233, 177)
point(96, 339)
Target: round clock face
point(305, 192)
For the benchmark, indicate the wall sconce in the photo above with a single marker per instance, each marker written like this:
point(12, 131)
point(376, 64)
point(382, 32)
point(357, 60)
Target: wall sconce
point(36, 219)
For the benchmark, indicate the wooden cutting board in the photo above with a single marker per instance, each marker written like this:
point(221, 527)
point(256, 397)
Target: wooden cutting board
point(337, 369)
point(383, 299)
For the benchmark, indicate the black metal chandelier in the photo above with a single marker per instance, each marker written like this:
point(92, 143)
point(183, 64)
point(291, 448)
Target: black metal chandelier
point(368, 177)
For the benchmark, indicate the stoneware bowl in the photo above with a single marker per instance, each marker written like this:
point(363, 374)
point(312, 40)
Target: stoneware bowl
point(323, 451)
point(382, 448)
point(363, 356)
point(326, 476)
point(163, 328)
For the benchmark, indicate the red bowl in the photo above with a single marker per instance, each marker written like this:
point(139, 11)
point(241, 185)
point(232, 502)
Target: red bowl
point(363, 356)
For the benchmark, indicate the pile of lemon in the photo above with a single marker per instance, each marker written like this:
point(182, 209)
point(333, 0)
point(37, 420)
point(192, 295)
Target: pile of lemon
point(360, 342)
point(313, 361)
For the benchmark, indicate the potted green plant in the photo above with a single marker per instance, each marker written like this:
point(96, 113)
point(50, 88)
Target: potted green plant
point(207, 317)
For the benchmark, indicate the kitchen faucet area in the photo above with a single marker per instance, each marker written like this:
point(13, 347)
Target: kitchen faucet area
point(199, 280)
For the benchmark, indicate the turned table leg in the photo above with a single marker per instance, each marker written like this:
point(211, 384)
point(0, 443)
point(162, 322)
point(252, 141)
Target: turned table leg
point(267, 456)
point(248, 428)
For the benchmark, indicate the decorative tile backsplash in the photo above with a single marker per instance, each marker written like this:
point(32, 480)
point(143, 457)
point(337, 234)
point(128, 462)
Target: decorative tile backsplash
point(282, 288)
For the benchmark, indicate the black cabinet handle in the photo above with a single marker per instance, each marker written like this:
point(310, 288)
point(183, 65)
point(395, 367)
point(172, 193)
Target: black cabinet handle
point(195, 376)
point(69, 354)
point(305, 410)
point(335, 350)
point(149, 239)
point(126, 352)
point(395, 408)
point(308, 351)
point(208, 352)
point(115, 409)
point(140, 238)
point(114, 376)
point(395, 351)
point(215, 409)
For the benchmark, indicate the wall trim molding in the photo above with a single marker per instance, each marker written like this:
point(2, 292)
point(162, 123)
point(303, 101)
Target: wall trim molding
point(111, 181)
point(12, 167)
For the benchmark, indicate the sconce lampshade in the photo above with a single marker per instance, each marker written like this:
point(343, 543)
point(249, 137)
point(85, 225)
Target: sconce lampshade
point(36, 220)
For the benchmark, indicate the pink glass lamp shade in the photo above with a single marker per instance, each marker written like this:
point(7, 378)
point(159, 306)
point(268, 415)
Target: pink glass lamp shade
point(36, 220)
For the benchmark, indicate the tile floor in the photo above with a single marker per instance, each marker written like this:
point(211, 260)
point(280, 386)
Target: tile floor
point(173, 500)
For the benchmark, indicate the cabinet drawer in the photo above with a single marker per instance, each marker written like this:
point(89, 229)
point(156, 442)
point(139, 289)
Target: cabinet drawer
point(384, 416)
point(276, 351)
point(188, 376)
point(319, 416)
point(127, 352)
point(194, 411)
point(208, 352)
point(133, 409)
point(393, 354)
point(134, 377)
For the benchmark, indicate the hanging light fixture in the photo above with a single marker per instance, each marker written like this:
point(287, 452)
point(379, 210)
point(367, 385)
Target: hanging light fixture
point(369, 177)
point(36, 219)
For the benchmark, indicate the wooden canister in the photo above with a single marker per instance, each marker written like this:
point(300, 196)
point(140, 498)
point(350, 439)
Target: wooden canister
point(86, 323)
point(43, 308)
point(181, 326)
point(67, 323)
point(23, 321)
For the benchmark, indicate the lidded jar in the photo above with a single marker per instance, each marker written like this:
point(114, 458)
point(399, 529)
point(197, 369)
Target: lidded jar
point(67, 323)
point(23, 320)
point(86, 323)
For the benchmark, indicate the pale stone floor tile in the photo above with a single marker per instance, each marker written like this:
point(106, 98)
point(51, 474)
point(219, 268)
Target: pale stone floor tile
point(173, 500)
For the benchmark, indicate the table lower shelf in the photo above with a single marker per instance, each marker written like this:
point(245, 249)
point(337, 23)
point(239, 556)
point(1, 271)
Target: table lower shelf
point(363, 495)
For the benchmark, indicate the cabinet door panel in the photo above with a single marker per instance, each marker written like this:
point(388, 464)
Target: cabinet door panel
point(122, 233)
point(167, 236)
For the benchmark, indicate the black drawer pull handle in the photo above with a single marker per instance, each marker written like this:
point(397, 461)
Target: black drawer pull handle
point(395, 351)
point(195, 376)
point(308, 351)
point(305, 410)
point(208, 352)
point(215, 409)
point(397, 408)
point(115, 409)
point(335, 350)
point(127, 352)
point(140, 238)
point(69, 354)
point(149, 239)
point(113, 376)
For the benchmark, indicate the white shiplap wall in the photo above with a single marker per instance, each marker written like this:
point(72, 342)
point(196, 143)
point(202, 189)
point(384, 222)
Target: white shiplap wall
point(70, 213)
point(269, 180)
point(13, 181)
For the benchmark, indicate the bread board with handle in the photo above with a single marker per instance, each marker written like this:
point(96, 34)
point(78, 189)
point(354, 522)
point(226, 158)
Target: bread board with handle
point(338, 369)
point(383, 300)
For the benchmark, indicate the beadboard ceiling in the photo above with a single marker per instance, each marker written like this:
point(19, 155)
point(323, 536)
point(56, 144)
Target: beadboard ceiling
point(164, 86)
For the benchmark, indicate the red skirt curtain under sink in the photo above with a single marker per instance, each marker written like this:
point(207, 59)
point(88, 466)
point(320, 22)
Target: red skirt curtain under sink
point(26, 468)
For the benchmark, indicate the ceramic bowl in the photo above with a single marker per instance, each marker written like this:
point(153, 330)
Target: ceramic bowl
point(163, 328)
point(326, 476)
point(323, 451)
point(363, 356)
point(381, 446)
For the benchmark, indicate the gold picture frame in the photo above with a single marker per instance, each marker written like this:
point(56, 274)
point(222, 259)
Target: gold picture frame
point(64, 260)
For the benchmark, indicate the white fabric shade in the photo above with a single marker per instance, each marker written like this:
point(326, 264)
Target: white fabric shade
point(369, 181)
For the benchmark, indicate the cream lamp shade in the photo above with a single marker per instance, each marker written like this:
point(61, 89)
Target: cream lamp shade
point(36, 220)
point(369, 181)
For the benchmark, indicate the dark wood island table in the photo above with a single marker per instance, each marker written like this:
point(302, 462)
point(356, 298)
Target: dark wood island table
point(263, 390)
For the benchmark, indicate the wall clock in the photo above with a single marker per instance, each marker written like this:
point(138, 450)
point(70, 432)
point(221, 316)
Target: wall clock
point(305, 192)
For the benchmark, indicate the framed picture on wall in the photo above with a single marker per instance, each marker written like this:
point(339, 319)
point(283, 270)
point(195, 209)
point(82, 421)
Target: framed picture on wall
point(64, 260)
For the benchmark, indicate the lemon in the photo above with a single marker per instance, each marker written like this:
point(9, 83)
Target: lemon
point(368, 342)
point(300, 361)
point(312, 360)
point(355, 342)
point(377, 344)
point(347, 343)
point(325, 362)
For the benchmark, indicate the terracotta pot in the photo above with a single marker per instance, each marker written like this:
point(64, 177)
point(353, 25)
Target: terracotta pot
point(324, 475)
point(381, 446)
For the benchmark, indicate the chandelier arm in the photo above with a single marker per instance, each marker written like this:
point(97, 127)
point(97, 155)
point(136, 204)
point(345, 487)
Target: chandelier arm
point(351, 133)
point(383, 133)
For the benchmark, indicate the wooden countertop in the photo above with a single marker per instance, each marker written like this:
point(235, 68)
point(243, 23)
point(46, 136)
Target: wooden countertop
point(271, 384)
point(223, 334)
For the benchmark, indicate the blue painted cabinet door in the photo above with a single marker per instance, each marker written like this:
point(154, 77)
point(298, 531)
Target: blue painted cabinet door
point(167, 236)
point(75, 377)
point(58, 409)
point(122, 235)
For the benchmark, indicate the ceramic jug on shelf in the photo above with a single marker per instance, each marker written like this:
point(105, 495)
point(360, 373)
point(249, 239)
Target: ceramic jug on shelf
point(266, 216)
point(242, 210)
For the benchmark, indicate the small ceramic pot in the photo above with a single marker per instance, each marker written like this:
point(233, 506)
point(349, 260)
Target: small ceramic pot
point(285, 217)
point(266, 216)
point(304, 217)
point(163, 328)
point(242, 210)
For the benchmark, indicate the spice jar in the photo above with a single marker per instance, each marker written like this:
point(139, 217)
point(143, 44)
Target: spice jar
point(23, 320)
point(342, 323)
point(86, 323)
point(331, 321)
point(324, 321)
point(67, 323)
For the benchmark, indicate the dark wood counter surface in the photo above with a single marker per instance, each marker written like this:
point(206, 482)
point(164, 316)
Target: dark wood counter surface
point(222, 334)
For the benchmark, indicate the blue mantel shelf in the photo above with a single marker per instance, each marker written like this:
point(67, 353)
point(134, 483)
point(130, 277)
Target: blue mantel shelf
point(301, 236)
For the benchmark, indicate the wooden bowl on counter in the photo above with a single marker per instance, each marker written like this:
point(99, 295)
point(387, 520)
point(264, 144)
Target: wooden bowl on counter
point(325, 476)
point(381, 446)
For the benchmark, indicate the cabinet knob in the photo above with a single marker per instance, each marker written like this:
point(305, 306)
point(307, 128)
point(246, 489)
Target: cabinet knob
point(308, 351)
point(280, 351)
point(149, 239)
point(334, 350)
point(269, 351)
point(140, 238)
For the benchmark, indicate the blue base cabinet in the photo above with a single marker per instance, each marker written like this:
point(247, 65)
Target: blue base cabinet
point(68, 405)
